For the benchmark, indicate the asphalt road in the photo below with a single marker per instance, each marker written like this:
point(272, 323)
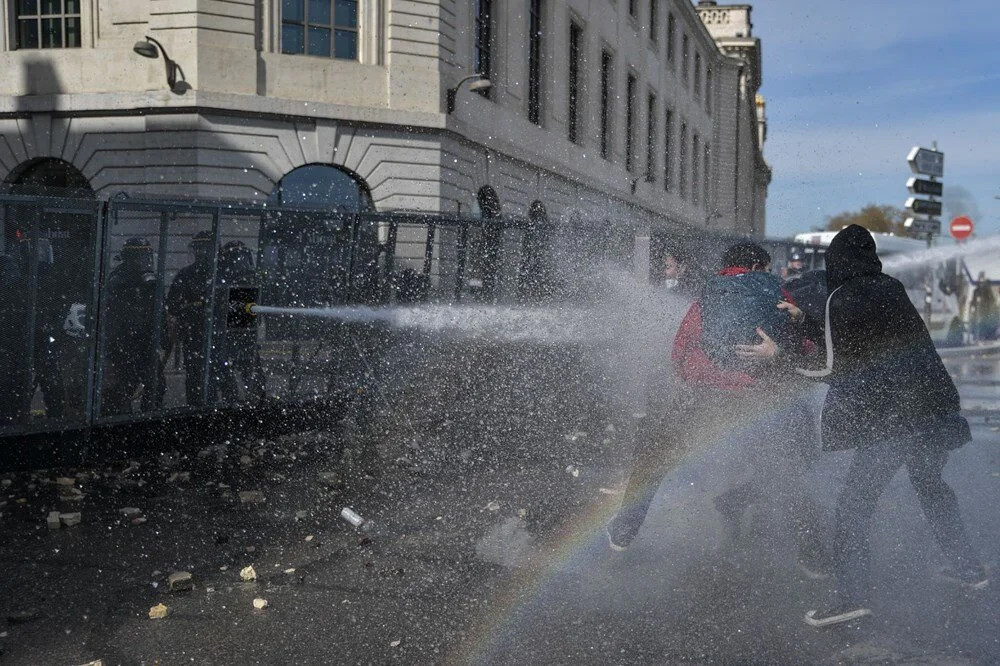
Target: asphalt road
point(485, 547)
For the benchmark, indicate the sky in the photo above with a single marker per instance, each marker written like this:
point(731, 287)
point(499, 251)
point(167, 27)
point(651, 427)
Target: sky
point(852, 85)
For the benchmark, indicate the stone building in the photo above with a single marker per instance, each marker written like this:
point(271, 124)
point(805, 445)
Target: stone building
point(629, 109)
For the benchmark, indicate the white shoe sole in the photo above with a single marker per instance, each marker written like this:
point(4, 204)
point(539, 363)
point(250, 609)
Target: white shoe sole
point(836, 619)
point(615, 547)
point(811, 574)
point(978, 585)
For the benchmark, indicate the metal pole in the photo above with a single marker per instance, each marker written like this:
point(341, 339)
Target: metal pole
point(206, 362)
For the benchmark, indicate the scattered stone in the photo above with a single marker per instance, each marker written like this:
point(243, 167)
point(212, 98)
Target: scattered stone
point(139, 521)
point(250, 496)
point(573, 471)
point(289, 571)
point(352, 517)
point(66, 481)
point(246, 460)
point(493, 506)
point(260, 604)
point(158, 612)
point(250, 549)
point(184, 476)
point(610, 491)
point(522, 513)
point(21, 500)
point(301, 515)
point(310, 537)
point(71, 519)
point(331, 479)
point(53, 520)
point(6, 483)
point(248, 574)
point(96, 662)
point(24, 616)
point(131, 512)
point(609, 428)
point(180, 581)
point(395, 643)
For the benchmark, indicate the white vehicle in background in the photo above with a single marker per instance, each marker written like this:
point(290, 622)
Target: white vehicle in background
point(940, 277)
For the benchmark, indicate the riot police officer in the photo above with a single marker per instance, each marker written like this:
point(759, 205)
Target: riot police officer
point(241, 354)
point(131, 360)
point(187, 303)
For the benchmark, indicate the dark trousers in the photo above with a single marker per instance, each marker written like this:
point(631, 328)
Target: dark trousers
point(871, 470)
point(772, 431)
point(243, 357)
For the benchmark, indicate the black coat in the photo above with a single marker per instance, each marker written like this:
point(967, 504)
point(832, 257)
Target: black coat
point(887, 380)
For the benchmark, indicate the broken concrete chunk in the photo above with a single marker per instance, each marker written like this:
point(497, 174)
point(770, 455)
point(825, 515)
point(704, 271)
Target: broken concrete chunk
point(260, 604)
point(331, 479)
point(24, 616)
point(71, 519)
point(251, 497)
point(53, 520)
point(131, 512)
point(180, 581)
point(573, 471)
point(301, 515)
point(248, 574)
point(493, 506)
point(66, 481)
point(158, 612)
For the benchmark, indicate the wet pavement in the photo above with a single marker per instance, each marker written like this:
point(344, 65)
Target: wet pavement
point(486, 545)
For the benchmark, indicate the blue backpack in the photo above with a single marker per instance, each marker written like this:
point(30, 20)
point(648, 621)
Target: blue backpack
point(733, 306)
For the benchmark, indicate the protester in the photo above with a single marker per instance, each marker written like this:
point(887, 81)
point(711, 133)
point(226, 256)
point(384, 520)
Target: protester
point(719, 398)
point(892, 400)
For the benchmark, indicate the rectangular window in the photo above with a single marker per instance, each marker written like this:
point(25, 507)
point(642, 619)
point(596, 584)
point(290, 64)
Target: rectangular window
point(654, 18)
point(575, 52)
point(708, 90)
point(607, 68)
point(630, 123)
point(651, 138)
point(324, 28)
point(685, 52)
point(695, 157)
point(708, 175)
point(671, 37)
point(48, 24)
point(668, 130)
point(535, 63)
point(697, 74)
point(682, 166)
point(633, 7)
point(483, 45)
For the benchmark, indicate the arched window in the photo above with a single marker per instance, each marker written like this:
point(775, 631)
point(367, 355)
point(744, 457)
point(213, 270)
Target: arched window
point(48, 173)
point(326, 186)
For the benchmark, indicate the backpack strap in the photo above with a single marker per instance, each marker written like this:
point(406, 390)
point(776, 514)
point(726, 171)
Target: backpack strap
point(829, 344)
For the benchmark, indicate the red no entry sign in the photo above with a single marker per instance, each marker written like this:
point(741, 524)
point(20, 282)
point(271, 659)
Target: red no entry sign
point(961, 228)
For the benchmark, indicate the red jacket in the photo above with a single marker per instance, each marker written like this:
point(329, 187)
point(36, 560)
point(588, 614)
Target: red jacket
point(694, 365)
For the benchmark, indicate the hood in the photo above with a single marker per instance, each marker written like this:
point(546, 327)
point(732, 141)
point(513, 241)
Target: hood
point(851, 254)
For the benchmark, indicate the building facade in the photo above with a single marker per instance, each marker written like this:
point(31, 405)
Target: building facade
point(634, 110)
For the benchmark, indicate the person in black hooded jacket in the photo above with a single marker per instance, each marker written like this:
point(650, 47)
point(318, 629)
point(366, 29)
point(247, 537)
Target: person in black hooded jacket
point(892, 400)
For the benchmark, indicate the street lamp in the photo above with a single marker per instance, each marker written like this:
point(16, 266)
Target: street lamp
point(152, 49)
point(478, 83)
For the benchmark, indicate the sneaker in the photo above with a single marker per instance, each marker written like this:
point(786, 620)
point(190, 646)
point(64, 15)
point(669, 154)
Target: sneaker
point(973, 579)
point(838, 615)
point(811, 569)
point(619, 538)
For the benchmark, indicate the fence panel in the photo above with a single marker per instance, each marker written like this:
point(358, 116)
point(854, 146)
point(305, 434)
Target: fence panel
point(49, 251)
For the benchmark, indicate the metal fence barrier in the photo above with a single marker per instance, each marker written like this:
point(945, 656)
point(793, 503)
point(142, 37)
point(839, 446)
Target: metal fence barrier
point(121, 310)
